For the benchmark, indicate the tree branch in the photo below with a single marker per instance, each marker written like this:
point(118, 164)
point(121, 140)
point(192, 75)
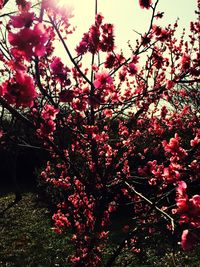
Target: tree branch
point(163, 213)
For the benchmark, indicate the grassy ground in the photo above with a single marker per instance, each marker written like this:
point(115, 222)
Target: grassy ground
point(27, 240)
point(26, 237)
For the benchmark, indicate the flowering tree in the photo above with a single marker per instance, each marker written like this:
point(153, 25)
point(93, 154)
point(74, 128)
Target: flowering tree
point(116, 131)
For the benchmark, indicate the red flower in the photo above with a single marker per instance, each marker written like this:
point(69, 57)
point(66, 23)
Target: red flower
point(145, 40)
point(49, 126)
point(28, 42)
point(82, 48)
point(163, 36)
point(195, 205)
point(23, 5)
point(145, 3)
point(94, 39)
point(181, 189)
point(110, 61)
point(132, 69)
point(159, 15)
point(57, 66)
point(107, 42)
point(1, 3)
point(99, 37)
point(1, 133)
point(60, 71)
point(102, 79)
point(174, 147)
point(185, 62)
point(49, 112)
point(98, 19)
point(108, 113)
point(195, 141)
point(2, 90)
point(25, 19)
point(20, 90)
point(188, 240)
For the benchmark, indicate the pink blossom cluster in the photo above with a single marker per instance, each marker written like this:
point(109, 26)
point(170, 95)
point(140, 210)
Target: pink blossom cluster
point(100, 37)
point(31, 37)
point(60, 71)
point(19, 90)
point(189, 210)
point(48, 126)
point(145, 3)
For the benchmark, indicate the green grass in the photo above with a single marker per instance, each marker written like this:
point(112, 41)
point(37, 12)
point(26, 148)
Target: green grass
point(27, 240)
point(26, 237)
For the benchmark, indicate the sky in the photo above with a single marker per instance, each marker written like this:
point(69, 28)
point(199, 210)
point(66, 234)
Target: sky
point(128, 16)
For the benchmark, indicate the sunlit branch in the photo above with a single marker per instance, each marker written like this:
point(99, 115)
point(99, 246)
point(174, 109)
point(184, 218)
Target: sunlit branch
point(69, 54)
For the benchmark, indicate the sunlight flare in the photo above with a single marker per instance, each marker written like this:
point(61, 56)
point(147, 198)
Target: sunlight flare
point(61, 7)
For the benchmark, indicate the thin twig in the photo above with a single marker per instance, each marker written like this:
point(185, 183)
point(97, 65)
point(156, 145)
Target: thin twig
point(167, 216)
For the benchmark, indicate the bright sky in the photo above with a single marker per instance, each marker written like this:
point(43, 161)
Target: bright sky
point(127, 15)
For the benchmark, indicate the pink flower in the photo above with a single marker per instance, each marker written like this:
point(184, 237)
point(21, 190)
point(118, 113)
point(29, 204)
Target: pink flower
point(169, 84)
point(99, 37)
point(173, 145)
point(28, 42)
point(181, 189)
point(98, 19)
point(48, 115)
point(25, 19)
point(47, 128)
point(164, 35)
point(185, 62)
point(189, 209)
point(20, 90)
point(90, 41)
point(2, 90)
point(110, 61)
point(174, 148)
point(49, 112)
point(82, 48)
point(195, 205)
point(108, 113)
point(132, 69)
point(23, 5)
point(145, 3)
point(1, 3)
point(188, 240)
point(159, 15)
point(182, 198)
point(57, 65)
point(163, 112)
point(1, 133)
point(107, 42)
point(60, 71)
point(75, 259)
point(145, 40)
point(102, 79)
point(195, 141)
